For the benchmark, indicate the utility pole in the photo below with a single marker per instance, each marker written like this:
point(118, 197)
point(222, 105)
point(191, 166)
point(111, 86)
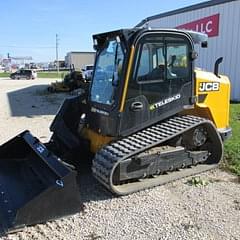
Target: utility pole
point(57, 43)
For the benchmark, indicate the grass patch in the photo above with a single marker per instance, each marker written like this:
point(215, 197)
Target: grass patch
point(42, 74)
point(4, 74)
point(51, 74)
point(198, 181)
point(232, 146)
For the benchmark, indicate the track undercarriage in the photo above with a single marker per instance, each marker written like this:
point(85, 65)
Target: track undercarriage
point(178, 147)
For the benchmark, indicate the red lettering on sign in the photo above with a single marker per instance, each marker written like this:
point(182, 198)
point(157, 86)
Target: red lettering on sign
point(208, 25)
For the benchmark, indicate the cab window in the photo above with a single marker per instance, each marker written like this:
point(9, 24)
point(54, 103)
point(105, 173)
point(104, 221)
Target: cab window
point(162, 68)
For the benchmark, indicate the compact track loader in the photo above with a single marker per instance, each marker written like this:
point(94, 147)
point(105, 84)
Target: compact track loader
point(147, 119)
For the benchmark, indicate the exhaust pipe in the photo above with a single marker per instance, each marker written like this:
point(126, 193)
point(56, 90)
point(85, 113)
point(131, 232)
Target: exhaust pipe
point(216, 66)
point(35, 186)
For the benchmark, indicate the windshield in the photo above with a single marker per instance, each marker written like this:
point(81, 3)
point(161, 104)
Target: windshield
point(107, 72)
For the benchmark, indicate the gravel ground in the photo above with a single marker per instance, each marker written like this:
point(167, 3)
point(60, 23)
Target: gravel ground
point(176, 210)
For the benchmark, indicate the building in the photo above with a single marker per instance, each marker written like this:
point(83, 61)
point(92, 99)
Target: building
point(61, 63)
point(79, 59)
point(217, 18)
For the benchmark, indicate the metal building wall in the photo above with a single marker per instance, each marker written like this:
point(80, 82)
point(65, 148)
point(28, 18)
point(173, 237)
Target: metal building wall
point(226, 44)
point(80, 59)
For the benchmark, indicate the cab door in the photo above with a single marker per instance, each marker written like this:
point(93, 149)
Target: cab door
point(161, 82)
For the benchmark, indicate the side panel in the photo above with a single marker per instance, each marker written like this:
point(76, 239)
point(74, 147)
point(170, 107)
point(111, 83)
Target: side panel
point(213, 98)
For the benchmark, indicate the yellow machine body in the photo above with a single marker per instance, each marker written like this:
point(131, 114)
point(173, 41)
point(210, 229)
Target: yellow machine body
point(213, 98)
point(96, 139)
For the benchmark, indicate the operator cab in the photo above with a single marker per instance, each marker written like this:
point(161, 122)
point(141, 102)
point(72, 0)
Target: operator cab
point(141, 76)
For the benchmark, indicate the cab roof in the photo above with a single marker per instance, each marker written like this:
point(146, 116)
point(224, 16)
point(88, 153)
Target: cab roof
point(129, 33)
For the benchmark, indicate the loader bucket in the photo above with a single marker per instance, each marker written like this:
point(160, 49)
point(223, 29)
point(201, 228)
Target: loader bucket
point(35, 186)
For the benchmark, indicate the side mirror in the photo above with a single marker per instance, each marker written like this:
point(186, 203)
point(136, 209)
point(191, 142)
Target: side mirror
point(204, 44)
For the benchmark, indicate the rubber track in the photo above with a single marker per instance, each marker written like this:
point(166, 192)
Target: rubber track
point(107, 159)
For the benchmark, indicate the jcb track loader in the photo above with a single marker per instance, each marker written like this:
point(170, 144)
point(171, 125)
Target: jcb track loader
point(148, 118)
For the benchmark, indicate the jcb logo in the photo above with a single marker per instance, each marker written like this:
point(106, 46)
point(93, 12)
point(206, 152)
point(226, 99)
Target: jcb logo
point(209, 86)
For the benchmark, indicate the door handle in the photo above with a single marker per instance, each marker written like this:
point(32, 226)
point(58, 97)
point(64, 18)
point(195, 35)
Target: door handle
point(136, 106)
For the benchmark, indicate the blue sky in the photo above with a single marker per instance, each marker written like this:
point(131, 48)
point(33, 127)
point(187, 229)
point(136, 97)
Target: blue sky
point(28, 27)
